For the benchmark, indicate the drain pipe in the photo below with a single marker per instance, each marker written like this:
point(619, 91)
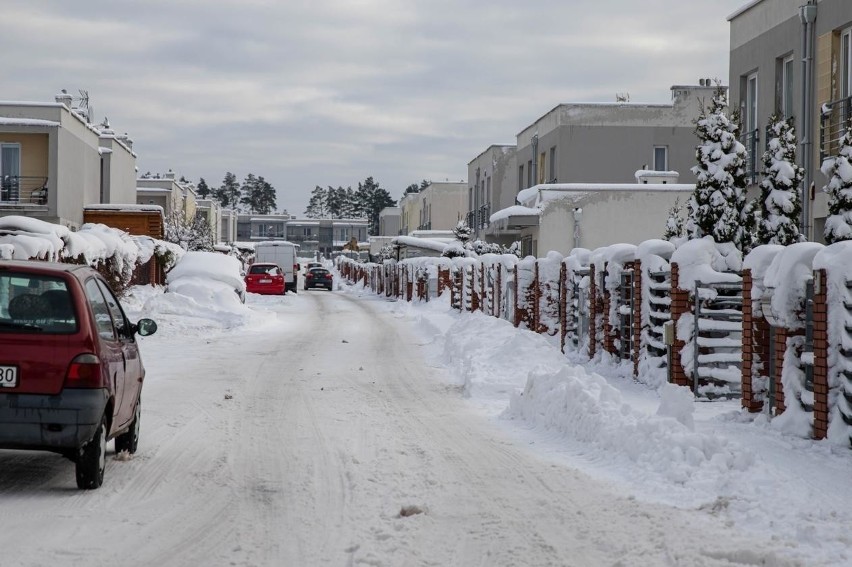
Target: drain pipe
point(807, 15)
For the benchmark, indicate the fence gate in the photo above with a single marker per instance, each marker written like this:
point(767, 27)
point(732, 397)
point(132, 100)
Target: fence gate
point(577, 308)
point(717, 336)
point(624, 314)
point(659, 287)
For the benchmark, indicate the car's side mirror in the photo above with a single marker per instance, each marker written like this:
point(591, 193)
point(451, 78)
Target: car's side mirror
point(145, 327)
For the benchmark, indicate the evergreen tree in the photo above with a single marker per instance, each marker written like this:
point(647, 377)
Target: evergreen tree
point(317, 208)
point(202, 189)
point(249, 193)
point(838, 169)
point(347, 198)
point(780, 201)
point(462, 232)
point(267, 197)
point(674, 224)
point(718, 202)
point(413, 188)
point(369, 199)
point(228, 194)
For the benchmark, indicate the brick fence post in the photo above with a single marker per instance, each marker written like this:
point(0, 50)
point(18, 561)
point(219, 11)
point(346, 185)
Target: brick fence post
point(637, 314)
point(593, 311)
point(781, 335)
point(563, 307)
point(680, 305)
point(747, 399)
point(821, 409)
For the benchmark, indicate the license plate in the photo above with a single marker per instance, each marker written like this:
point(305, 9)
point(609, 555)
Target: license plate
point(265, 281)
point(8, 376)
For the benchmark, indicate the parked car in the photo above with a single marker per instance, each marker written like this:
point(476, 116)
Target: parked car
point(319, 277)
point(283, 253)
point(70, 369)
point(207, 274)
point(310, 265)
point(265, 278)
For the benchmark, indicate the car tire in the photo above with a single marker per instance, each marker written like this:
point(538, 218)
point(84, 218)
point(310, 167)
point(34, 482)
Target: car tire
point(129, 440)
point(91, 459)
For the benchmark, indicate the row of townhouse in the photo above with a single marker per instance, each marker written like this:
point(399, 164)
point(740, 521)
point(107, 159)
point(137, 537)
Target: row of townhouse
point(786, 58)
point(57, 165)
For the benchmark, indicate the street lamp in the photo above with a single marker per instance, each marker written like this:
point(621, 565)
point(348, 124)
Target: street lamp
point(578, 214)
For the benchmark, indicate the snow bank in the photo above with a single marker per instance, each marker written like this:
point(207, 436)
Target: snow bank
point(787, 276)
point(703, 260)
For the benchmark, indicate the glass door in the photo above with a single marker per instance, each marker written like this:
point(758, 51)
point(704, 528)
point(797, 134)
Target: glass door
point(10, 172)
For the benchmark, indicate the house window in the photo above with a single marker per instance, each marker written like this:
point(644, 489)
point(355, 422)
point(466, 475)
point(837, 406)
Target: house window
point(661, 158)
point(787, 87)
point(751, 135)
point(521, 177)
point(529, 173)
point(542, 158)
point(10, 170)
point(846, 63)
point(553, 164)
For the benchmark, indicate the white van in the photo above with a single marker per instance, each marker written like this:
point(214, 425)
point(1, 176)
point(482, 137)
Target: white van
point(283, 253)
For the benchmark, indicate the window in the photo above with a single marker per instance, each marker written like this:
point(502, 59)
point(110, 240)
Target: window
point(529, 173)
point(103, 319)
point(750, 118)
point(542, 158)
point(553, 164)
point(114, 308)
point(661, 158)
point(521, 177)
point(10, 170)
point(787, 87)
point(751, 135)
point(846, 63)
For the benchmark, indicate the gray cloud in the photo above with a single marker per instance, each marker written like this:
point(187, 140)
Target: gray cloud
point(327, 92)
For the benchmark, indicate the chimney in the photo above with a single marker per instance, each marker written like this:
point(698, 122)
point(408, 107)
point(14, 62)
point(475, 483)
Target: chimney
point(64, 98)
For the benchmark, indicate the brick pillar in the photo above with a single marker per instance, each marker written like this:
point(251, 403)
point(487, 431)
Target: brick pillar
point(781, 335)
point(497, 294)
point(608, 337)
point(474, 293)
point(535, 300)
point(821, 408)
point(750, 345)
point(443, 280)
point(637, 314)
point(680, 305)
point(593, 311)
point(563, 307)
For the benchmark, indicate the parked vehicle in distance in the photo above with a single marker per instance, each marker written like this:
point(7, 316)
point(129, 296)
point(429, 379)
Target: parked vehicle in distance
point(319, 277)
point(202, 274)
point(265, 278)
point(283, 253)
point(70, 369)
point(310, 265)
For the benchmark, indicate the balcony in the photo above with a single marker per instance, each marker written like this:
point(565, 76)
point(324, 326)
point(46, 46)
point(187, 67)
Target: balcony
point(833, 122)
point(19, 190)
point(478, 219)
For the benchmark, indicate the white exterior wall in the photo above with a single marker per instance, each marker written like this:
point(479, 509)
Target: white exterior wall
point(78, 168)
point(119, 172)
point(609, 217)
point(445, 204)
point(411, 205)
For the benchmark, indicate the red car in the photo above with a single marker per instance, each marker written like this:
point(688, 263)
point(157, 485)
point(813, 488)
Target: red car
point(265, 278)
point(70, 370)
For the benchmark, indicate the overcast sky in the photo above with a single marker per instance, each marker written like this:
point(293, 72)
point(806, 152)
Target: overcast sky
point(328, 92)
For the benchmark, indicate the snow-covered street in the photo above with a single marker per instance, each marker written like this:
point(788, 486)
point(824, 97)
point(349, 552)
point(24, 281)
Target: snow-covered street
point(325, 429)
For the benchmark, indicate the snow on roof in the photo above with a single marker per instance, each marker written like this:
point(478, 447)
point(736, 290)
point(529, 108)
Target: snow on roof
point(123, 207)
point(436, 244)
point(152, 190)
point(513, 211)
point(28, 122)
point(547, 191)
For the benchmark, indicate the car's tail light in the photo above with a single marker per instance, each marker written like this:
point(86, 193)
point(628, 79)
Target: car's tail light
point(328, 276)
point(84, 372)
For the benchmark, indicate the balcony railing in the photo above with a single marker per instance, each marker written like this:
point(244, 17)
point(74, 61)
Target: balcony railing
point(23, 190)
point(479, 218)
point(751, 141)
point(833, 122)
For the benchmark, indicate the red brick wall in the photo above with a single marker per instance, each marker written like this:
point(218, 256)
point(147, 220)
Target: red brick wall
point(820, 359)
point(680, 305)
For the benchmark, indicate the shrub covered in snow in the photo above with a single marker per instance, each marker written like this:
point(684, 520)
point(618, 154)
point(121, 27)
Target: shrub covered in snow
point(779, 191)
point(838, 169)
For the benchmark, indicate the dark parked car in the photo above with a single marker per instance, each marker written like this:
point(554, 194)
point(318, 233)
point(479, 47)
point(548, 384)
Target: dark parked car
point(265, 278)
point(70, 370)
point(319, 277)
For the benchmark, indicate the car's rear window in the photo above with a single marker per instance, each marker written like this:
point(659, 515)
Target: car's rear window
point(35, 304)
point(267, 270)
point(319, 271)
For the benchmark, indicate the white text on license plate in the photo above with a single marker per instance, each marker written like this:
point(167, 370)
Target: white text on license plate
point(265, 281)
point(8, 376)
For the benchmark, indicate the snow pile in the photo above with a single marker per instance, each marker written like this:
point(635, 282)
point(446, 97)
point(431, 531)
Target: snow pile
point(584, 407)
point(703, 260)
point(653, 257)
point(787, 277)
point(758, 262)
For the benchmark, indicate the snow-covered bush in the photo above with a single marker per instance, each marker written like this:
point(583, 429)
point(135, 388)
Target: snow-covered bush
point(838, 169)
point(779, 191)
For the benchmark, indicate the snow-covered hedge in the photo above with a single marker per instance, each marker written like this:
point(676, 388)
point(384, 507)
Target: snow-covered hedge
point(113, 252)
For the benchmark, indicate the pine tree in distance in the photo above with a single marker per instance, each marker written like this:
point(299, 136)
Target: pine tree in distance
point(716, 206)
point(838, 169)
point(780, 201)
point(462, 232)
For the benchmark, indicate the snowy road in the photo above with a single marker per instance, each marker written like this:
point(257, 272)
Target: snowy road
point(321, 436)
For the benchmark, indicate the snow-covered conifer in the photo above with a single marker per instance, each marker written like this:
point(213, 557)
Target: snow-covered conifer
point(838, 169)
point(674, 224)
point(780, 201)
point(462, 232)
point(717, 204)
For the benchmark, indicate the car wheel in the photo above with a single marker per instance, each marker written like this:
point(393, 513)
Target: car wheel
point(91, 459)
point(129, 440)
